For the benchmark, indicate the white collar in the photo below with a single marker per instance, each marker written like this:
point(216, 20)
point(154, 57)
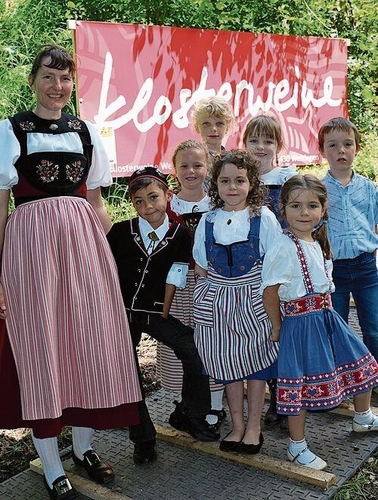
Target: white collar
point(146, 228)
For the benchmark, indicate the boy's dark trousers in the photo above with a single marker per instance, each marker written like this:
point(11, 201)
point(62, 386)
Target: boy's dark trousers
point(195, 386)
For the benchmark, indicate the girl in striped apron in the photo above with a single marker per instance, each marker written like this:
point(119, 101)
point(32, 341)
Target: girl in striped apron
point(321, 361)
point(231, 326)
point(191, 161)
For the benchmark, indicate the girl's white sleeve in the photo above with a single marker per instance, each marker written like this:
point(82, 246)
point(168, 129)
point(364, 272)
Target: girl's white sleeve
point(277, 266)
point(10, 152)
point(270, 229)
point(199, 248)
point(99, 173)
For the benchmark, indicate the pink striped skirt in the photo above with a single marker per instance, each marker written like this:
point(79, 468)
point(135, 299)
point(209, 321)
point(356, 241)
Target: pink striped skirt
point(66, 321)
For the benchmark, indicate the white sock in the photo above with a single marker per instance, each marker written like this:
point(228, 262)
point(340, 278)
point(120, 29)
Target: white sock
point(48, 452)
point(364, 417)
point(296, 447)
point(216, 404)
point(217, 399)
point(81, 440)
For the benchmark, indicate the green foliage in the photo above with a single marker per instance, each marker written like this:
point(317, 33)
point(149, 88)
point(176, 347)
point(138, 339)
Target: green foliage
point(366, 162)
point(117, 201)
point(25, 27)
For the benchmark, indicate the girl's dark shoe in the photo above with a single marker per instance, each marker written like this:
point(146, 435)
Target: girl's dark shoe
point(62, 489)
point(250, 449)
point(145, 452)
point(98, 470)
point(271, 416)
point(228, 446)
point(220, 414)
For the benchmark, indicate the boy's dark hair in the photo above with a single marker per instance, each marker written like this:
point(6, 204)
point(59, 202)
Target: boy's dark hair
point(143, 177)
point(264, 125)
point(60, 59)
point(340, 124)
point(311, 183)
point(243, 160)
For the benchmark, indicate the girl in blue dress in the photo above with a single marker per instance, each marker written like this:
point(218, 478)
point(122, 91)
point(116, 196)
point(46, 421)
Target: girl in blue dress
point(321, 360)
point(232, 328)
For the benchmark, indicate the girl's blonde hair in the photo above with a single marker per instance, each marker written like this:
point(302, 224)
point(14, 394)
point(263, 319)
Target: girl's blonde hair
point(243, 160)
point(214, 106)
point(264, 125)
point(192, 144)
point(309, 182)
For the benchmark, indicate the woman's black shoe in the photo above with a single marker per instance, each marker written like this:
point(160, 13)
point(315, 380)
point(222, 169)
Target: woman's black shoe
point(228, 445)
point(62, 489)
point(98, 470)
point(250, 449)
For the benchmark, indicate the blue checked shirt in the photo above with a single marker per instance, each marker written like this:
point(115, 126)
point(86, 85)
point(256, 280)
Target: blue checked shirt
point(353, 215)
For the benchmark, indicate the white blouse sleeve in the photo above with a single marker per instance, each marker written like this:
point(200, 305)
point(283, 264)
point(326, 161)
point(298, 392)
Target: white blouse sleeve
point(270, 229)
point(10, 152)
point(99, 173)
point(278, 265)
point(199, 248)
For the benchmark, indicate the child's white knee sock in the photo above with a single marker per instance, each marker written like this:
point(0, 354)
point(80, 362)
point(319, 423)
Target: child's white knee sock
point(216, 404)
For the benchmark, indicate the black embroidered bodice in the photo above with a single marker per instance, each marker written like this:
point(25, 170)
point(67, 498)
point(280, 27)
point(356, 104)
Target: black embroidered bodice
point(45, 174)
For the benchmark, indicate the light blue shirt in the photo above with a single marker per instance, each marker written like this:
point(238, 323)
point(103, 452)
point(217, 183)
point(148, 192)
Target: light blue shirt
point(353, 215)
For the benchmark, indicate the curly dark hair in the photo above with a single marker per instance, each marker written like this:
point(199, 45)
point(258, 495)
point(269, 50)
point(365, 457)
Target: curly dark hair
point(243, 160)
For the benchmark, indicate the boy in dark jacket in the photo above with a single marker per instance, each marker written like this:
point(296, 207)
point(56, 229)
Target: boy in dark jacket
point(152, 256)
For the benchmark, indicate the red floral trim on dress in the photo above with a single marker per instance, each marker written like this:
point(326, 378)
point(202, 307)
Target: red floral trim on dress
point(307, 304)
point(326, 390)
point(47, 171)
point(303, 262)
point(74, 172)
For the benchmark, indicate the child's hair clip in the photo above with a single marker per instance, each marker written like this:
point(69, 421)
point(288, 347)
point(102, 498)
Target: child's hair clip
point(319, 225)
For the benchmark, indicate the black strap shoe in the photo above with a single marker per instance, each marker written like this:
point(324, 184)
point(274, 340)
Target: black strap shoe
point(220, 414)
point(98, 470)
point(62, 489)
point(145, 452)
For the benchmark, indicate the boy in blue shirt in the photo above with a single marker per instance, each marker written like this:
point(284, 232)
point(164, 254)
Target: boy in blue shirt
point(352, 228)
point(152, 255)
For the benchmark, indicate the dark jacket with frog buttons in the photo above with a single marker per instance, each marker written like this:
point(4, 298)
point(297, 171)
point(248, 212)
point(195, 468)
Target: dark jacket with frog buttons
point(143, 276)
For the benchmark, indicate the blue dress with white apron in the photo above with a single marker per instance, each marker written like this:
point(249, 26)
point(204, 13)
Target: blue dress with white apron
point(232, 328)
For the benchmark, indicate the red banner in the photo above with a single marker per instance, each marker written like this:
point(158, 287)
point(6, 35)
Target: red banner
point(138, 84)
